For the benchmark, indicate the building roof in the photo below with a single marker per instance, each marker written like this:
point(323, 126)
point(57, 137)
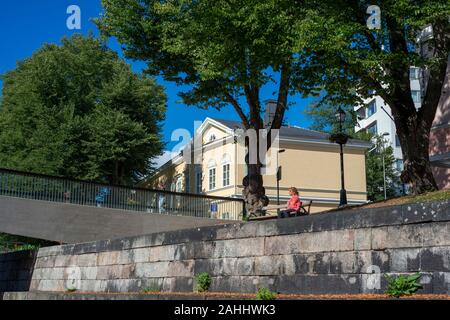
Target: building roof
point(294, 132)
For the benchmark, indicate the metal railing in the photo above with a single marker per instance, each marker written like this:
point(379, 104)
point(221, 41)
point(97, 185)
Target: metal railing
point(56, 189)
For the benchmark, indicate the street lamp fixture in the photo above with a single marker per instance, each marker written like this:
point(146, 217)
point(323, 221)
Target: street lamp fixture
point(340, 117)
point(341, 138)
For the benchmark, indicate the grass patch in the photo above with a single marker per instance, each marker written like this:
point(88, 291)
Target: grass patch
point(153, 289)
point(427, 197)
point(440, 195)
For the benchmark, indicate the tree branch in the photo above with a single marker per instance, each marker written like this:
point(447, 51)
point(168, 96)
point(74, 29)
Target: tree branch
point(437, 75)
point(282, 96)
point(252, 95)
point(238, 109)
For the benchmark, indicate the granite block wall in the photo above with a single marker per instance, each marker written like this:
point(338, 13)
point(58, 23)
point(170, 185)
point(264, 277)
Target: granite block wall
point(338, 252)
point(16, 269)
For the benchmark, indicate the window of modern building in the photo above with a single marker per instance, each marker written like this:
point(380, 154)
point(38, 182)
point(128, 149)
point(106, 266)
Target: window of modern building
point(212, 178)
point(416, 96)
point(372, 128)
point(414, 73)
point(361, 112)
point(399, 164)
point(371, 108)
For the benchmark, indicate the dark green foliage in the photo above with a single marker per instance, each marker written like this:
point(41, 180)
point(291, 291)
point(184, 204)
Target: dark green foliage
point(323, 117)
point(374, 172)
point(348, 61)
point(77, 110)
point(265, 294)
point(10, 243)
point(202, 282)
point(403, 285)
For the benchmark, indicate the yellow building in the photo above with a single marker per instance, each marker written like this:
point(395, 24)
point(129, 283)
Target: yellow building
point(310, 163)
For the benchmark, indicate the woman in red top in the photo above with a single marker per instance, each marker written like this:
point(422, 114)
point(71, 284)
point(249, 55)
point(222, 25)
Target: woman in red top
point(293, 205)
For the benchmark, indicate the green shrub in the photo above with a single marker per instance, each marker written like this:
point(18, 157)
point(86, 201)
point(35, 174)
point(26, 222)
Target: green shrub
point(151, 289)
point(403, 285)
point(70, 290)
point(202, 282)
point(265, 294)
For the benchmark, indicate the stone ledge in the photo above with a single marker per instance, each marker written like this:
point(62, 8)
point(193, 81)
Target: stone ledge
point(338, 220)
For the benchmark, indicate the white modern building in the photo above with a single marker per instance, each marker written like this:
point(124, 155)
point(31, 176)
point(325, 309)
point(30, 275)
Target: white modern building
point(375, 116)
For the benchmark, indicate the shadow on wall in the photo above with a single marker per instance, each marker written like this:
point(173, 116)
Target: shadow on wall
point(16, 270)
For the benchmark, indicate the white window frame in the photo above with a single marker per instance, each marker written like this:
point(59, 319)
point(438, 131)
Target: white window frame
point(226, 175)
point(226, 170)
point(211, 179)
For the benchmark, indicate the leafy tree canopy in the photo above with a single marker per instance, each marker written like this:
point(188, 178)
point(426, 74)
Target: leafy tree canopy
point(352, 63)
point(79, 111)
point(225, 50)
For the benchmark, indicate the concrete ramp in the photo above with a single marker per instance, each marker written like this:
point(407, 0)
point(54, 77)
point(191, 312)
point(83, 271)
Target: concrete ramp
point(70, 223)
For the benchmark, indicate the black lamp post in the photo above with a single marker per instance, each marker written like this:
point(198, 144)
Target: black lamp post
point(341, 138)
point(278, 177)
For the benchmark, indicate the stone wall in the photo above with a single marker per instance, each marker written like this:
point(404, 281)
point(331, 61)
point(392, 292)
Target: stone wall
point(16, 270)
point(334, 252)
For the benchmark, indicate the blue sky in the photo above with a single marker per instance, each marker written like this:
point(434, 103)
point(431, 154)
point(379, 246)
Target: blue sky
point(25, 25)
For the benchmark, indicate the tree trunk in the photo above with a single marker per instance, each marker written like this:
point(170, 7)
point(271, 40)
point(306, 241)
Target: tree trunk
point(414, 135)
point(254, 193)
point(417, 169)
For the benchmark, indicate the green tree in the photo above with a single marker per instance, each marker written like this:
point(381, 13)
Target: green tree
point(77, 110)
point(376, 173)
point(323, 117)
point(347, 59)
point(223, 51)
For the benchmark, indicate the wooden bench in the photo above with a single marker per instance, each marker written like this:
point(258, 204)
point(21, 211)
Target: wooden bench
point(304, 210)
